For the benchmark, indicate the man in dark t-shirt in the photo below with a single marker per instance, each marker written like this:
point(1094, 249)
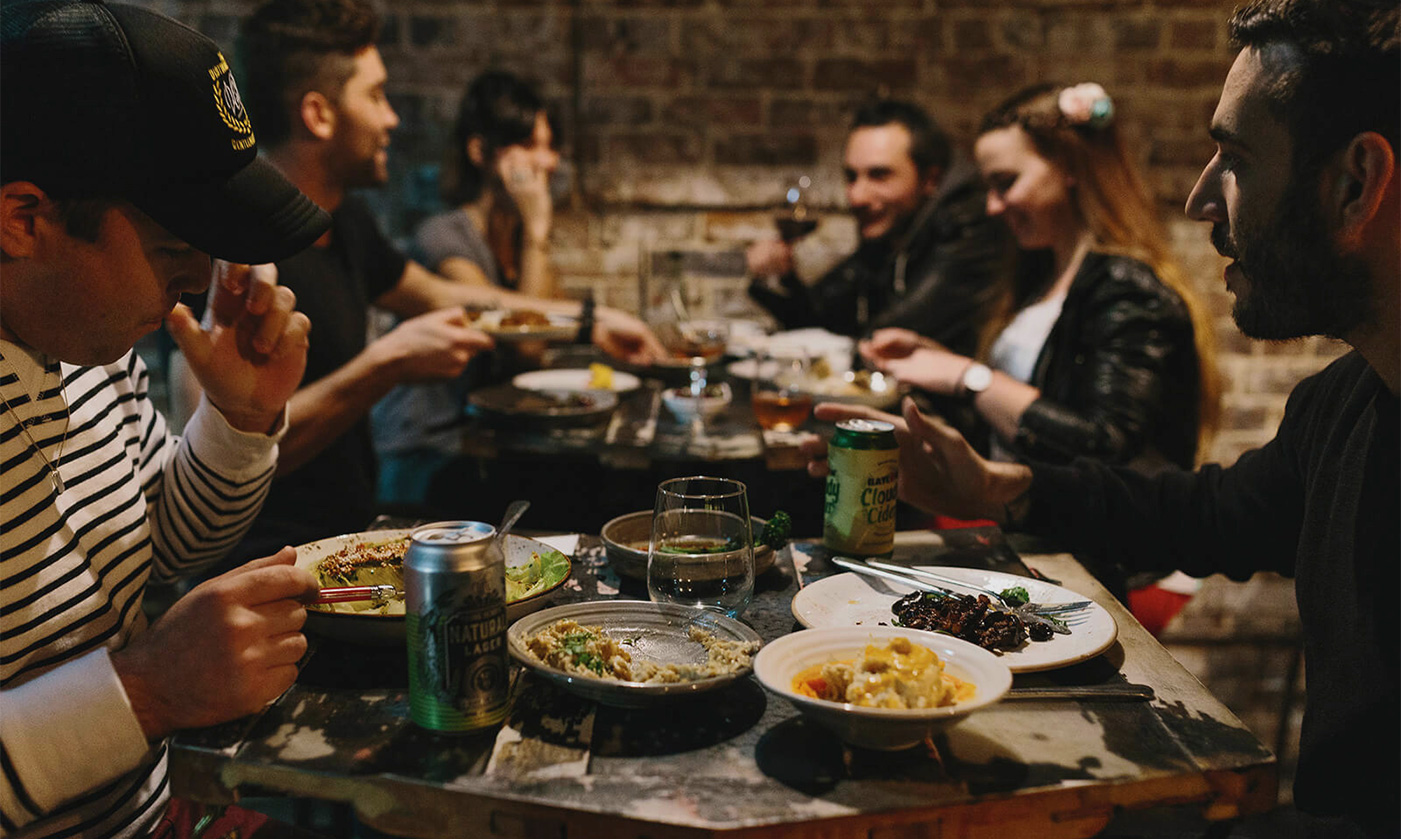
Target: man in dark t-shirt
point(1304, 197)
point(316, 85)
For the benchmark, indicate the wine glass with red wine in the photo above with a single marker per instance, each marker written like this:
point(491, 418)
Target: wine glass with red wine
point(796, 219)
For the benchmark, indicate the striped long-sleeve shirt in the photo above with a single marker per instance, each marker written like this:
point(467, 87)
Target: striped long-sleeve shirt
point(133, 502)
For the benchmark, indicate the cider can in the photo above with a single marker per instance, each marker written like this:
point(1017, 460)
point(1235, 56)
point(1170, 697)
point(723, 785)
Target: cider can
point(455, 622)
point(863, 460)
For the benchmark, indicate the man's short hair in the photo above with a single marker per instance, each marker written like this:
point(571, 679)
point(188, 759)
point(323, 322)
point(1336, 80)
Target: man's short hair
point(288, 48)
point(1343, 77)
point(929, 145)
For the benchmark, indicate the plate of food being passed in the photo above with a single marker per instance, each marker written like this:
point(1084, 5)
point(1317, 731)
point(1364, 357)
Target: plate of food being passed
point(524, 325)
point(850, 599)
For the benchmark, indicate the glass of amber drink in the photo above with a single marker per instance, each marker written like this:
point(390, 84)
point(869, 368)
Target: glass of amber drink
point(782, 398)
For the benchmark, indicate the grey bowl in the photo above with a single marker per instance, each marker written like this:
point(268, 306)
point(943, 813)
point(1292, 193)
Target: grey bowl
point(623, 535)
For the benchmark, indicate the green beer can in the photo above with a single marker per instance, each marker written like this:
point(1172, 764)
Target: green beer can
point(455, 622)
point(863, 460)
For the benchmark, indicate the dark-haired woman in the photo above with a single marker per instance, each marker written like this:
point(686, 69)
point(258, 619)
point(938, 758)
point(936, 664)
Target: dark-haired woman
point(498, 182)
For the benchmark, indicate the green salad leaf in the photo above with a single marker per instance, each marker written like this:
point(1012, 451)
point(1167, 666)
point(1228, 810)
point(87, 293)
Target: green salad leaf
point(776, 531)
point(543, 571)
point(1016, 595)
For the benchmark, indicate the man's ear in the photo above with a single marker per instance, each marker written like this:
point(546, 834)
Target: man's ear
point(1362, 177)
point(318, 115)
point(929, 181)
point(21, 213)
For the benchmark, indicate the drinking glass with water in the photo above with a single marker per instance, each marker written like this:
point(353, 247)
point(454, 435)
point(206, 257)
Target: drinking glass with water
point(702, 548)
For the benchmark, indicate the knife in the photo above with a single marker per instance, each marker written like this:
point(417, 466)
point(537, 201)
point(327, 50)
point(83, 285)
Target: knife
point(1121, 692)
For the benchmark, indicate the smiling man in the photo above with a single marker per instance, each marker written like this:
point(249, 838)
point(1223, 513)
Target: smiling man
point(929, 260)
point(1304, 195)
point(128, 161)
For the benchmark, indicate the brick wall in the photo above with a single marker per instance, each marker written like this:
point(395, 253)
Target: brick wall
point(684, 121)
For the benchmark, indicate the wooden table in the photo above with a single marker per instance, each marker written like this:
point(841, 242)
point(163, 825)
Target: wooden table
point(738, 762)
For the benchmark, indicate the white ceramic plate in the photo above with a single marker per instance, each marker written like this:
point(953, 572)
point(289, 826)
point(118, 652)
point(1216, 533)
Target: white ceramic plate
point(850, 599)
point(656, 631)
point(572, 379)
point(779, 663)
point(560, 328)
point(357, 622)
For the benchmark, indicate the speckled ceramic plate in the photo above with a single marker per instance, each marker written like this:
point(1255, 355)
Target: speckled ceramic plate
point(850, 599)
point(657, 632)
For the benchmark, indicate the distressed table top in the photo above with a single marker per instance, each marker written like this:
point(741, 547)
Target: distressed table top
point(740, 762)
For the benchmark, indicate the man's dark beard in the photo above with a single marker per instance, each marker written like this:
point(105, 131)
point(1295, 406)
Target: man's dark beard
point(1296, 284)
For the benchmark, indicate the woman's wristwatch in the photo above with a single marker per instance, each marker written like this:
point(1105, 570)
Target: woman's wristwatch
point(975, 379)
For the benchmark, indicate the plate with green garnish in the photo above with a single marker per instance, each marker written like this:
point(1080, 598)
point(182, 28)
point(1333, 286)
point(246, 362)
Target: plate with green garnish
point(534, 570)
point(633, 653)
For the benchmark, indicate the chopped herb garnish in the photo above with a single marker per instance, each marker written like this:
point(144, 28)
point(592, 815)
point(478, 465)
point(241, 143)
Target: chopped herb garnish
point(1016, 596)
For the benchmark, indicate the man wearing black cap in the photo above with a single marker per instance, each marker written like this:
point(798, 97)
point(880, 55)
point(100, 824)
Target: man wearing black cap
point(127, 161)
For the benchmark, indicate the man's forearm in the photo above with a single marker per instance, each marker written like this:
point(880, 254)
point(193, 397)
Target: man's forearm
point(325, 409)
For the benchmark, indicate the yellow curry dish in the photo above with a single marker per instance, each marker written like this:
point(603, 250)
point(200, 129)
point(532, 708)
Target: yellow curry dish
point(901, 674)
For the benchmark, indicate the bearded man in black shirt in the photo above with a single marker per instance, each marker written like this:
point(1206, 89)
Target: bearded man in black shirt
point(1304, 195)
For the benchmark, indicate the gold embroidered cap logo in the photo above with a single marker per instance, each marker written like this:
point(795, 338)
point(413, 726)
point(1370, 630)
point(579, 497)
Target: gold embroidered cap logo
point(230, 105)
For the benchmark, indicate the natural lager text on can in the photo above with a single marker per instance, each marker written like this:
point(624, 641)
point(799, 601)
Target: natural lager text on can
point(455, 621)
point(862, 484)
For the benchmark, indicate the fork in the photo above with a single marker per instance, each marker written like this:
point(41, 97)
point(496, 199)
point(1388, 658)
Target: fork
point(1055, 622)
point(1034, 608)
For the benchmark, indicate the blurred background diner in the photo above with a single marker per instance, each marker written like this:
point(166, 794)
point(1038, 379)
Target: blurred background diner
point(683, 129)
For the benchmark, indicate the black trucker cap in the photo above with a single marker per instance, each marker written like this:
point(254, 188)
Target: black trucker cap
point(101, 100)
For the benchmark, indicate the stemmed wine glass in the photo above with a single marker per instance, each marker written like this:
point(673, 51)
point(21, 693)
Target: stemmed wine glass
point(796, 219)
point(701, 552)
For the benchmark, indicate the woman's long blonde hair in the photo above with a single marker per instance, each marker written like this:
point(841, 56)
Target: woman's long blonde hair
point(1119, 211)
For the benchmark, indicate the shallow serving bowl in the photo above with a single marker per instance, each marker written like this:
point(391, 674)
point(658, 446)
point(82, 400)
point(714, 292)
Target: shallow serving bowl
point(625, 541)
point(684, 406)
point(779, 662)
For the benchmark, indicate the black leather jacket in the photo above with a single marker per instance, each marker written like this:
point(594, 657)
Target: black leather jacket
point(1118, 374)
point(938, 277)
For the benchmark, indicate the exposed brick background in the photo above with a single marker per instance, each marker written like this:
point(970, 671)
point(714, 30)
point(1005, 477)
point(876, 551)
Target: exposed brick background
point(684, 120)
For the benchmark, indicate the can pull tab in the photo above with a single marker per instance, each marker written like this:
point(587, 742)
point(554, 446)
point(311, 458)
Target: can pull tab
point(514, 511)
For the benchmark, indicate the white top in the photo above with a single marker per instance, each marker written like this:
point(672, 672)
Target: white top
point(1019, 345)
point(1017, 348)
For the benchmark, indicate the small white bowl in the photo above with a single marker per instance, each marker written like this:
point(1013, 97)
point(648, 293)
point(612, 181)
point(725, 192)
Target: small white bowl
point(684, 406)
point(888, 729)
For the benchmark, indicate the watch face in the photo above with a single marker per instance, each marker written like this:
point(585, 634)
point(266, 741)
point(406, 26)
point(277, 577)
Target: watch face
point(977, 378)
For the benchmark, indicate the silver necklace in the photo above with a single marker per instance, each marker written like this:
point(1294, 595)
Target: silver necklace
point(52, 465)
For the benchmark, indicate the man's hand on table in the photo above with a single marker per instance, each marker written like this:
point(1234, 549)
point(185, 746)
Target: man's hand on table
point(252, 358)
point(939, 471)
point(626, 338)
point(224, 650)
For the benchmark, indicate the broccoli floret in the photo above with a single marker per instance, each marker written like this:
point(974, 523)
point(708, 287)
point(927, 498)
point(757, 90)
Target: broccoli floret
point(776, 530)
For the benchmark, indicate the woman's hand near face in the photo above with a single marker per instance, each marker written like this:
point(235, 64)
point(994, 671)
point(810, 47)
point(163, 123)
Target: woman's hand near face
point(527, 181)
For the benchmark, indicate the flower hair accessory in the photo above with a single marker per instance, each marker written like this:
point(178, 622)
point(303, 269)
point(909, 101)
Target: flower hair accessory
point(1086, 104)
